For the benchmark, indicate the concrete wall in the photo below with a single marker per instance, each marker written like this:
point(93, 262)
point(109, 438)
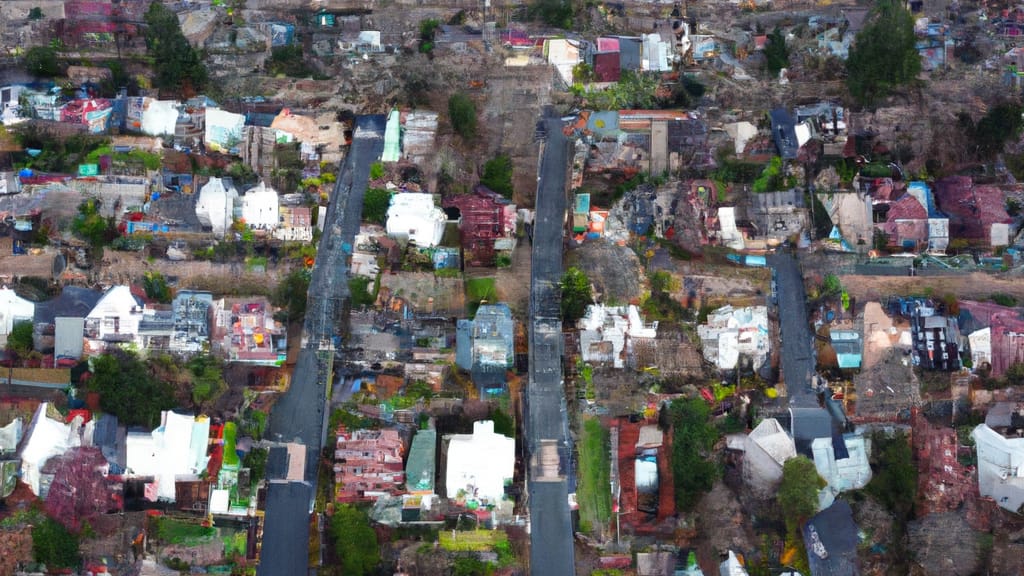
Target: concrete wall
point(19, 9)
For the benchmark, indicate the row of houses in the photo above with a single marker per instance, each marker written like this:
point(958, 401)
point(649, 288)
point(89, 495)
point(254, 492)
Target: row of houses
point(82, 322)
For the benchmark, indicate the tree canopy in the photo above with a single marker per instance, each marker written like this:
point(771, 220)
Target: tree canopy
point(354, 540)
point(693, 438)
point(91, 226)
point(576, 294)
point(20, 340)
point(776, 52)
point(884, 55)
point(462, 112)
point(129, 390)
point(498, 175)
point(376, 202)
point(894, 483)
point(54, 545)
point(292, 293)
point(42, 61)
point(798, 492)
point(176, 64)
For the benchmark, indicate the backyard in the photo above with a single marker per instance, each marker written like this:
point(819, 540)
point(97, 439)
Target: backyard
point(594, 491)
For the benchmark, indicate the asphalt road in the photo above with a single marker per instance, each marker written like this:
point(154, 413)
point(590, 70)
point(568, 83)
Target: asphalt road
point(797, 341)
point(551, 538)
point(300, 415)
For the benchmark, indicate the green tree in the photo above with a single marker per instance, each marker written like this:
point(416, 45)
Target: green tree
point(20, 340)
point(35, 13)
point(288, 61)
point(498, 175)
point(291, 294)
point(798, 492)
point(375, 205)
point(129, 390)
point(693, 439)
point(1000, 125)
point(207, 379)
point(894, 483)
point(355, 542)
point(359, 290)
point(503, 423)
point(462, 113)
point(91, 226)
point(176, 64)
point(427, 29)
point(156, 287)
point(884, 55)
point(556, 13)
point(42, 61)
point(576, 294)
point(776, 52)
point(54, 545)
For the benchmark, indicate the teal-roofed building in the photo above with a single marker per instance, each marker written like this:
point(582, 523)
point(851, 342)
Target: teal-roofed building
point(848, 347)
point(422, 463)
point(393, 138)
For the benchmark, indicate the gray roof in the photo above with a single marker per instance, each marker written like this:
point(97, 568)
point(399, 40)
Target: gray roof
point(810, 424)
point(784, 133)
point(73, 302)
point(831, 540)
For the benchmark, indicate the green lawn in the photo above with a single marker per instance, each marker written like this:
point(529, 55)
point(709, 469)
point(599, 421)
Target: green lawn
point(478, 290)
point(230, 455)
point(471, 540)
point(594, 491)
point(178, 532)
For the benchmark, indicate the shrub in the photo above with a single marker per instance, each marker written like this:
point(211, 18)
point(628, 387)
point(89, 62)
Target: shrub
point(462, 113)
point(498, 175)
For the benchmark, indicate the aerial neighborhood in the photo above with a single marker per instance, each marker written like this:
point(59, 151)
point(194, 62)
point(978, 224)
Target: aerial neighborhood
point(730, 287)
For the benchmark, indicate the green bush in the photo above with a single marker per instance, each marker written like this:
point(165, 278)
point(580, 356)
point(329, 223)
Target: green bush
point(54, 545)
point(576, 294)
point(498, 175)
point(42, 61)
point(693, 437)
point(376, 202)
point(462, 113)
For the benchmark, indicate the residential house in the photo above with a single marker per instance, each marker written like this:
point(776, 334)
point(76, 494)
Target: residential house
point(296, 224)
point(627, 142)
point(733, 332)
point(223, 130)
point(245, 331)
point(260, 208)
point(936, 341)
point(1000, 447)
point(420, 468)
point(779, 215)
point(607, 333)
point(13, 309)
point(368, 464)
point(765, 450)
point(784, 134)
point(215, 207)
point(487, 224)
point(114, 320)
point(976, 212)
point(176, 449)
point(45, 438)
point(414, 218)
point(480, 464)
point(485, 345)
point(912, 222)
point(851, 213)
point(191, 311)
point(848, 345)
point(564, 55)
point(995, 335)
point(843, 462)
point(831, 539)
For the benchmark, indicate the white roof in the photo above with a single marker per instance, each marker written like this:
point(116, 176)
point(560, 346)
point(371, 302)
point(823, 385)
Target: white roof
point(771, 437)
point(215, 206)
point(261, 207)
point(480, 462)
point(177, 448)
point(219, 501)
point(732, 566)
point(46, 438)
point(13, 308)
point(414, 217)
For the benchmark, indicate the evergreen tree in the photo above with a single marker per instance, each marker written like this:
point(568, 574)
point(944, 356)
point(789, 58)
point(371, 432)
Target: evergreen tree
point(177, 65)
point(884, 55)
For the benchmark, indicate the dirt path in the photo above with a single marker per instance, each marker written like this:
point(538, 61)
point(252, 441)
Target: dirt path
point(973, 286)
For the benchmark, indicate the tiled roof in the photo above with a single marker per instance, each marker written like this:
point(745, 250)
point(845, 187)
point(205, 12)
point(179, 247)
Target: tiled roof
point(906, 208)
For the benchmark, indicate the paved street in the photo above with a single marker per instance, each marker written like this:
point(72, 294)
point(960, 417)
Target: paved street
point(551, 538)
point(300, 414)
point(797, 342)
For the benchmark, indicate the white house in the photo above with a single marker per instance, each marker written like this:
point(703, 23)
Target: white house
point(605, 332)
point(13, 309)
point(45, 439)
point(766, 449)
point(177, 449)
point(261, 208)
point(216, 205)
point(1000, 466)
point(731, 332)
point(114, 319)
point(414, 217)
point(850, 471)
point(481, 463)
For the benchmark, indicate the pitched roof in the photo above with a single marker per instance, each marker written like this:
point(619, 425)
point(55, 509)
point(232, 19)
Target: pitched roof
point(972, 209)
point(831, 540)
point(906, 208)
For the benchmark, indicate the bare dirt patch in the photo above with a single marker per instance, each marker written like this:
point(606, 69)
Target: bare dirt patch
point(971, 286)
